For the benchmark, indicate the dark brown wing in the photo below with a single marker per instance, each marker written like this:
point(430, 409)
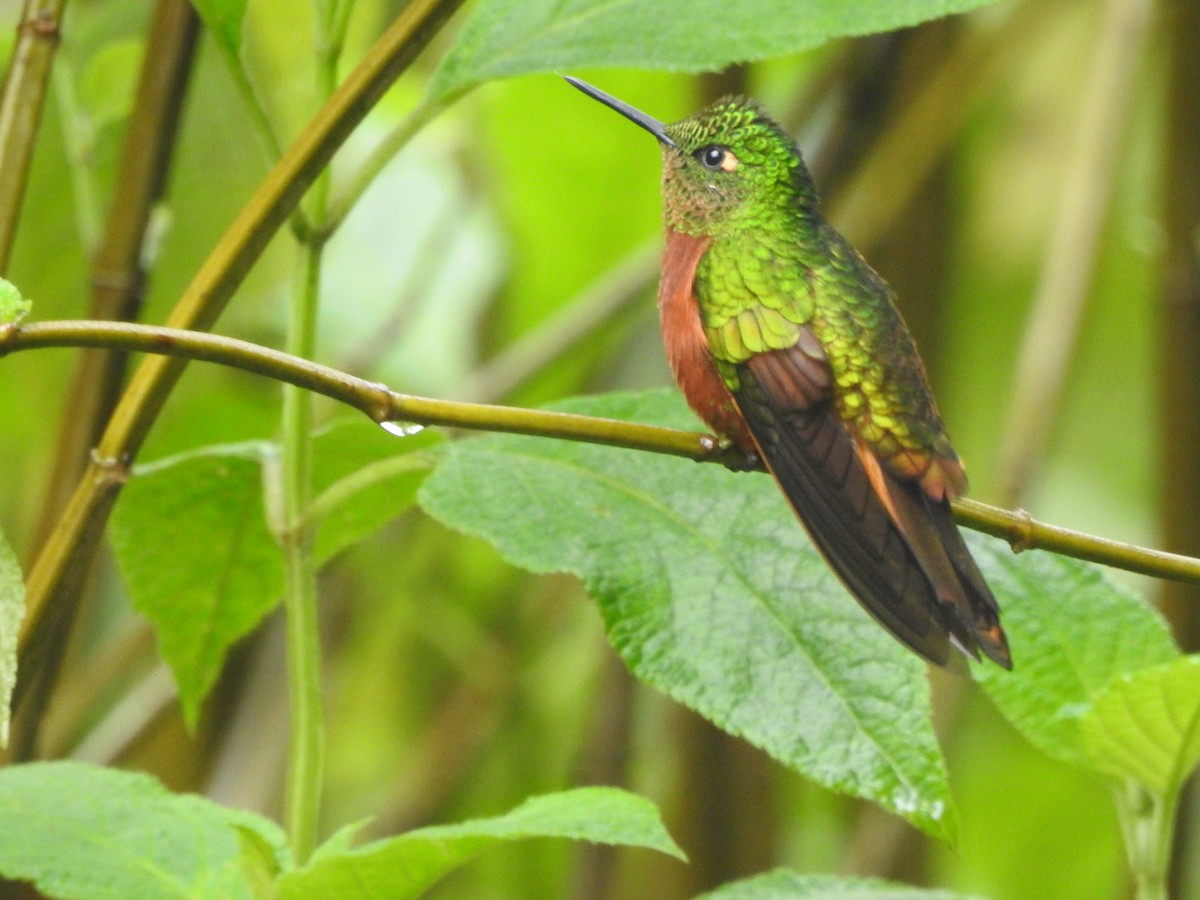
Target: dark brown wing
point(896, 549)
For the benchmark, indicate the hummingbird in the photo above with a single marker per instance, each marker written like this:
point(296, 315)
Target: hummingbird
point(789, 346)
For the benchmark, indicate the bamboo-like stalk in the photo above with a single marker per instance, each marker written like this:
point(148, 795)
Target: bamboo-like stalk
point(21, 106)
point(1179, 370)
point(382, 405)
point(1179, 325)
point(117, 268)
point(55, 578)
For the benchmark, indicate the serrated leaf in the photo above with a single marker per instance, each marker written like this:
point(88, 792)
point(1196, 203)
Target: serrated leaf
point(1072, 631)
point(784, 885)
point(710, 592)
point(504, 38)
point(223, 19)
point(1146, 726)
point(82, 832)
point(12, 611)
point(13, 307)
point(192, 543)
point(405, 866)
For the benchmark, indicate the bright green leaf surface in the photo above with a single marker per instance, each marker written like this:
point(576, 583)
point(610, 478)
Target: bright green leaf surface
point(86, 833)
point(1146, 726)
point(711, 593)
point(1072, 632)
point(192, 542)
point(13, 307)
point(405, 866)
point(12, 610)
point(785, 885)
point(504, 38)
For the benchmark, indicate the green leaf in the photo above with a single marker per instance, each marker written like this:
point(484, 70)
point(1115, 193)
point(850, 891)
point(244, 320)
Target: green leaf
point(81, 832)
point(12, 611)
point(1072, 631)
point(191, 538)
point(1146, 726)
point(193, 543)
point(405, 866)
point(710, 592)
point(261, 863)
point(364, 477)
point(13, 307)
point(109, 81)
point(504, 38)
point(223, 19)
point(784, 885)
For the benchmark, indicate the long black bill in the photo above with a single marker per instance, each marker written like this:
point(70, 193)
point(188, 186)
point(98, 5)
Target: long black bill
point(636, 116)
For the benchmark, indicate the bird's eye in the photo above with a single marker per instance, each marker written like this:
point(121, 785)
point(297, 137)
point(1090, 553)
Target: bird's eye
point(716, 157)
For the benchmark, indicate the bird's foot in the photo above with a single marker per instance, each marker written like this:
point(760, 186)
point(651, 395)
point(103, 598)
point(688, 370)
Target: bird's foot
point(730, 455)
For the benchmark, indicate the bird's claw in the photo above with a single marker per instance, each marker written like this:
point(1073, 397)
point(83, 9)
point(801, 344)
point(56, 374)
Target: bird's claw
point(741, 460)
point(730, 455)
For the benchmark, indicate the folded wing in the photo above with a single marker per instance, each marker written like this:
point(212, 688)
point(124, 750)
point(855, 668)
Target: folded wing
point(894, 546)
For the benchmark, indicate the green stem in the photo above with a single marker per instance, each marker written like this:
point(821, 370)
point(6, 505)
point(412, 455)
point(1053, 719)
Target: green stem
point(1147, 824)
point(306, 739)
point(300, 574)
point(382, 405)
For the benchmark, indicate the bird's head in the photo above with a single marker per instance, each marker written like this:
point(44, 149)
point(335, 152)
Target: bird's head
point(727, 167)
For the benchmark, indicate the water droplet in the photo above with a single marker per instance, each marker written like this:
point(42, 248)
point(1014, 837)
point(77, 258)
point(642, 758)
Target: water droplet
point(402, 429)
point(905, 801)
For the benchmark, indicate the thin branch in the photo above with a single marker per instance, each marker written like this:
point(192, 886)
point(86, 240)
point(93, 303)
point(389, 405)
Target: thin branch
point(371, 398)
point(375, 400)
point(1023, 532)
